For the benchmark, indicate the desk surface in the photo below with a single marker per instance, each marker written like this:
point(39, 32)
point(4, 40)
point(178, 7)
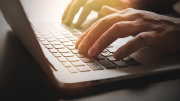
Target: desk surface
point(21, 79)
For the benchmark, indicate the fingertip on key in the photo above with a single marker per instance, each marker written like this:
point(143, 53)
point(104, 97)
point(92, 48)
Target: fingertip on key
point(81, 47)
point(117, 55)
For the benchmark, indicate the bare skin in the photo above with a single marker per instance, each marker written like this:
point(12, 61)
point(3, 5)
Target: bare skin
point(148, 28)
point(89, 5)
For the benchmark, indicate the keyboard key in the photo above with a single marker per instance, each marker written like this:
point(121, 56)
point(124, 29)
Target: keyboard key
point(99, 57)
point(120, 63)
point(64, 40)
point(128, 58)
point(76, 64)
point(133, 63)
point(72, 59)
point(83, 69)
point(106, 64)
point(55, 43)
point(76, 33)
point(51, 39)
point(63, 51)
point(69, 36)
point(53, 31)
point(87, 60)
point(62, 30)
point(48, 36)
point(111, 58)
point(68, 44)
point(67, 54)
point(109, 46)
point(44, 33)
point(71, 47)
point(106, 54)
point(78, 36)
point(58, 46)
point(38, 36)
point(62, 59)
point(49, 46)
point(70, 29)
point(112, 50)
point(72, 70)
point(66, 64)
point(53, 50)
point(75, 51)
point(49, 28)
point(94, 66)
point(81, 55)
point(73, 39)
point(73, 42)
point(41, 39)
point(65, 33)
point(57, 54)
point(104, 51)
point(45, 42)
point(56, 35)
point(60, 37)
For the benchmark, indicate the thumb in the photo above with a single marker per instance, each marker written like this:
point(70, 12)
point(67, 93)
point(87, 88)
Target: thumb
point(106, 10)
point(141, 40)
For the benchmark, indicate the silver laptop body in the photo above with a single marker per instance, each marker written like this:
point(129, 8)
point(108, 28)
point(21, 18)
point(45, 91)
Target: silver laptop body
point(150, 61)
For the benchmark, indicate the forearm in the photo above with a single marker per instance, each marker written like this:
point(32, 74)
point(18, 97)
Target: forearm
point(150, 4)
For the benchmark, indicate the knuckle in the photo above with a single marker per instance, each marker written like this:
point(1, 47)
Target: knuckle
point(116, 26)
point(129, 9)
point(104, 20)
point(143, 38)
point(103, 7)
point(138, 15)
point(119, 25)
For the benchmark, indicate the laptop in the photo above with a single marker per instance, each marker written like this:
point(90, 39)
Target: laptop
point(51, 43)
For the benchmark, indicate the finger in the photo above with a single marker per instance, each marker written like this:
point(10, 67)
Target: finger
point(118, 30)
point(74, 8)
point(102, 24)
point(88, 7)
point(93, 26)
point(66, 11)
point(84, 34)
point(98, 29)
point(106, 10)
point(142, 40)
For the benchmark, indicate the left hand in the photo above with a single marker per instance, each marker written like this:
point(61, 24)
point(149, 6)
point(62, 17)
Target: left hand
point(149, 29)
point(89, 5)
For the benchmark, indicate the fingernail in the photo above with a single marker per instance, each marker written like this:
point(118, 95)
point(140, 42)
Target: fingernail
point(81, 47)
point(92, 51)
point(117, 55)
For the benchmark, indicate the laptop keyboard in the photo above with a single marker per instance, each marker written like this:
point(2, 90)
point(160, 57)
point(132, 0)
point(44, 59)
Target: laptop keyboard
point(59, 39)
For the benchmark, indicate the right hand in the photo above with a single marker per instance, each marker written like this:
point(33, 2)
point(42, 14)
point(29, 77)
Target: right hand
point(89, 5)
point(148, 28)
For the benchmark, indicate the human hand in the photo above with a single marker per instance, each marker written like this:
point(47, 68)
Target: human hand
point(149, 29)
point(88, 6)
